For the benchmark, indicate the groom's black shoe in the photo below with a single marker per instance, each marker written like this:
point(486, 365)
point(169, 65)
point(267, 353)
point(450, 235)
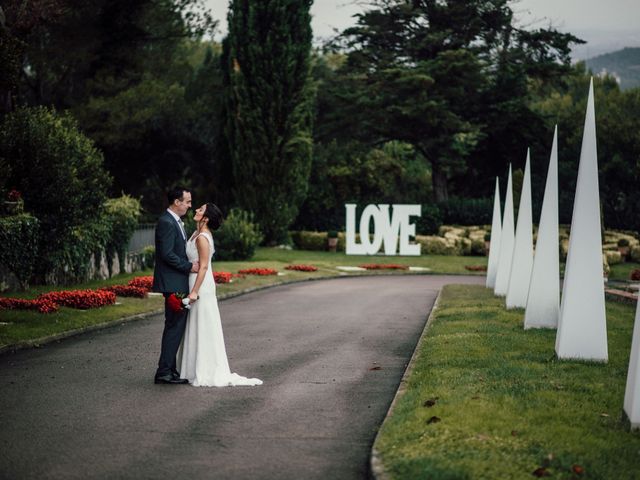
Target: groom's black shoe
point(170, 379)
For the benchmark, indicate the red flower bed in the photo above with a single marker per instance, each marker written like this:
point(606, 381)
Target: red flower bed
point(43, 306)
point(635, 274)
point(49, 302)
point(142, 282)
point(46, 306)
point(476, 268)
point(301, 268)
point(222, 277)
point(258, 271)
point(82, 299)
point(381, 266)
point(126, 291)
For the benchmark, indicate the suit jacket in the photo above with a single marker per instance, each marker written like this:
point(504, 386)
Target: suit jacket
point(172, 267)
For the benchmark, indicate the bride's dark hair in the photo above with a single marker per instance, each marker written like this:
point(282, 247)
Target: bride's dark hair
point(214, 214)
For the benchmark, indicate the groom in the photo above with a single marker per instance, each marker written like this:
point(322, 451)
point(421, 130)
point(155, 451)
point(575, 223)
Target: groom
point(171, 275)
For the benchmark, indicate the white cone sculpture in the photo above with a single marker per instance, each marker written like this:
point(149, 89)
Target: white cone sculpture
point(494, 247)
point(632, 392)
point(582, 328)
point(543, 302)
point(522, 261)
point(506, 243)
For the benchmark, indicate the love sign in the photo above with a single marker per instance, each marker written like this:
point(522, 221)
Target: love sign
point(386, 228)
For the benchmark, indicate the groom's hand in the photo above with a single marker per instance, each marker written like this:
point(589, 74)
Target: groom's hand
point(195, 266)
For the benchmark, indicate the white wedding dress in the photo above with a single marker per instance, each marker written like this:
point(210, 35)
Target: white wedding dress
point(202, 356)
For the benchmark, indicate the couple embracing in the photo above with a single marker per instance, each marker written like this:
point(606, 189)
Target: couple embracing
point(192, 338)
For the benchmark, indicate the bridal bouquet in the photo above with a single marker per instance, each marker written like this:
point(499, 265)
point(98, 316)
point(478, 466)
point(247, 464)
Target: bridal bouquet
point(178, 302)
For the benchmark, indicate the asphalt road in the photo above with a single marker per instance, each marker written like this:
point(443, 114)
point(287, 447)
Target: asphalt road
point(331, 354)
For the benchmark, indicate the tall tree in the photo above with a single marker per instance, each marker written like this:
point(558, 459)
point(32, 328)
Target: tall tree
point(448, 76)
point(269, 108)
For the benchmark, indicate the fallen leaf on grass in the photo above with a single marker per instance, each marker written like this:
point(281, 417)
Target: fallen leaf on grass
point(433, 419)
point(577, 469)
point(541, 472)
point(430, 403)
point(514, 433)
point(604, 414)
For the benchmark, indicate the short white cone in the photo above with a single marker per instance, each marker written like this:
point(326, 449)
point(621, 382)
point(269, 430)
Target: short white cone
point(632, 392)
point(506, 243)
point(543, 302)
point(582, 329)
point(494, 247)
point(522, 261)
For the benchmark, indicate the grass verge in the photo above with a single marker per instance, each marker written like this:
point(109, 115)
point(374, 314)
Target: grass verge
point(488, 400)
point(18, 326)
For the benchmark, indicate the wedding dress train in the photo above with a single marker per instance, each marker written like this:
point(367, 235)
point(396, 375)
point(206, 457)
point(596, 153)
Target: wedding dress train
point(202, 356)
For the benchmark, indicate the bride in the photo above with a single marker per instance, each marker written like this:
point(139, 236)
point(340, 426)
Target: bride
point(202, 355)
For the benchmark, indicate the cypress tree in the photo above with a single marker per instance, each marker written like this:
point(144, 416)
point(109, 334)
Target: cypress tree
point(269, 98)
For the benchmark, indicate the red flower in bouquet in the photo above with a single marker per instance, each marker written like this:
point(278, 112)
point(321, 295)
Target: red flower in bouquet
point(176, 302)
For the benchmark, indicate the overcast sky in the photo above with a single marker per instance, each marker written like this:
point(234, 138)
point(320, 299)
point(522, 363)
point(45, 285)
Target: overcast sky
point(607, 25)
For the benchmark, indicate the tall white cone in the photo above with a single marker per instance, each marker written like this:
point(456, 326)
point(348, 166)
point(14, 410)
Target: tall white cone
point(506, 243)
point(543, 302)
point(496, 233)
point(522, 261)
point(632, 392)
point(582, 329)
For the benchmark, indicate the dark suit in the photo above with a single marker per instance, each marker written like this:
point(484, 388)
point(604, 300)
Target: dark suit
point(171, 275)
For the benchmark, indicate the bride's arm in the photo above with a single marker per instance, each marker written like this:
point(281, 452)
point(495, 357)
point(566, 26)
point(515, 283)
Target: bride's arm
point(203, 257)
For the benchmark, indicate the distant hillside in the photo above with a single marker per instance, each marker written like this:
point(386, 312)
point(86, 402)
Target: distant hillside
point(623, 64)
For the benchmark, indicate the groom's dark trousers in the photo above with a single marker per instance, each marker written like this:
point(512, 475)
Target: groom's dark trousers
point(171, 275)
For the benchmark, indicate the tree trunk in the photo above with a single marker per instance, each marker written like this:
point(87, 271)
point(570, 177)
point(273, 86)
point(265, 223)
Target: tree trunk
point(439, 182)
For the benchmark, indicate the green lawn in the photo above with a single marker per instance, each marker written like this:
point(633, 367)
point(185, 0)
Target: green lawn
point(504, 406)
point(19, 326)
point(622, 271)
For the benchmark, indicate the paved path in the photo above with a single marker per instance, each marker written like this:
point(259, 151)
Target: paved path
point(87, 407)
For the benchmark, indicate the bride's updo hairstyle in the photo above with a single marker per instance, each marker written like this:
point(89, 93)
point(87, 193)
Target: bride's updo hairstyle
point(213, 213)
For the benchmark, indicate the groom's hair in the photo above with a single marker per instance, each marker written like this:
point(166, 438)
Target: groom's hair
point(176, 193)
point(214, 214)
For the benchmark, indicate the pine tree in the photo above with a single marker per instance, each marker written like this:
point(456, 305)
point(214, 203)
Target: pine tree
point(269, 108)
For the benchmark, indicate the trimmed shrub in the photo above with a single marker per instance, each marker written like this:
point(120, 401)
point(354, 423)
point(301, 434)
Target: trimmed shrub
point(304, 240)
point(635, 254)
point(613, 258)
point(61, 176)
point(606, 269)
point(19, 240)
point(238, 237)
point(635, 274)
point(478, 248)
point(430, 221)
point(431, 245)
point(466, 211)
